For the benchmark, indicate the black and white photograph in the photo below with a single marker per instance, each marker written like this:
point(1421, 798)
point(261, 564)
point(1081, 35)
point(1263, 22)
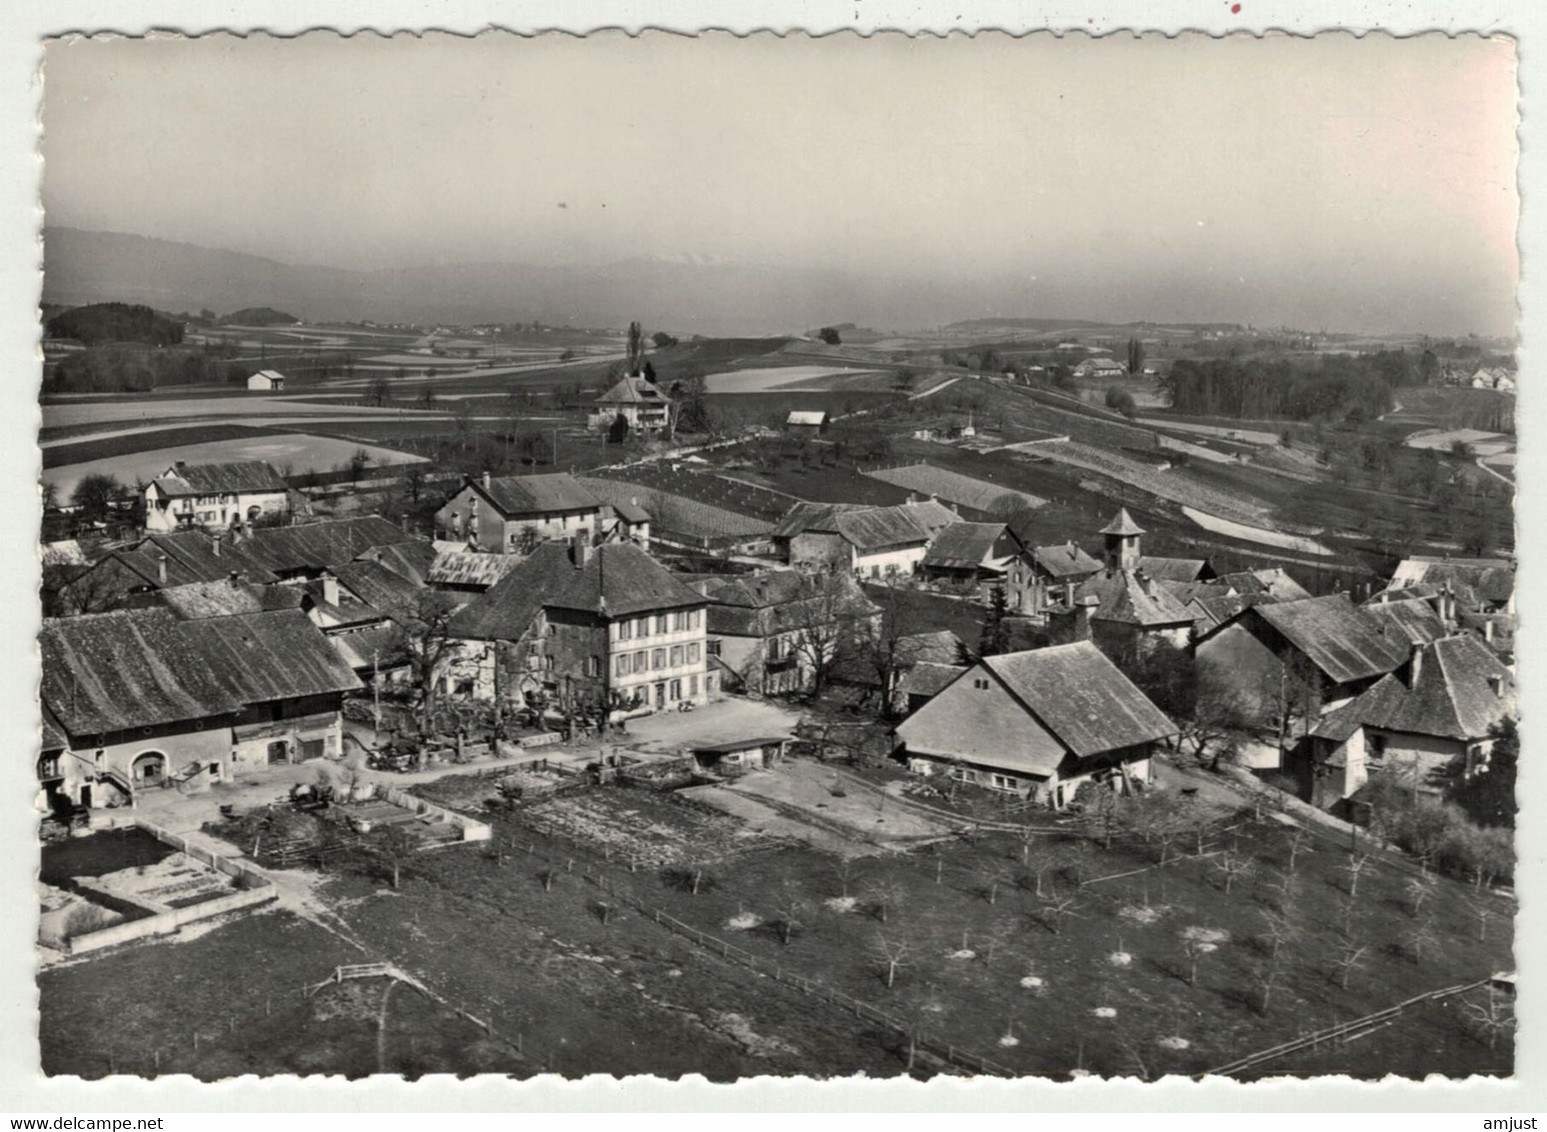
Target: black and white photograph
point(776, 556)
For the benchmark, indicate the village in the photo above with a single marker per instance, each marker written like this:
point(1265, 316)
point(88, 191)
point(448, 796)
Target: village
point(967, 783)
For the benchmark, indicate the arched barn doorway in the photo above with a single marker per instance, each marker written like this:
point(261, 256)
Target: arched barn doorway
point(149, 768)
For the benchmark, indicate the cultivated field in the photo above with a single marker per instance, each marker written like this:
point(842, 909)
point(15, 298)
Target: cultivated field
point(298, 452)
point(677, 514)
point(953, 487)
point(775, 377)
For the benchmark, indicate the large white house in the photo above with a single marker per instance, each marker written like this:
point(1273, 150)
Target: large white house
point(213, 495)
point(637, 400)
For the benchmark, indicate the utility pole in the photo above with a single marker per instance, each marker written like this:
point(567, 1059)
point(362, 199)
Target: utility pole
point(555, 448)
point(376, 688)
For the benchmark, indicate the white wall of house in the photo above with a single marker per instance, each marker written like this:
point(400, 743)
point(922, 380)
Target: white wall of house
point(891, 561)
point(661, 657)
point(469, 517)
point(163, 514)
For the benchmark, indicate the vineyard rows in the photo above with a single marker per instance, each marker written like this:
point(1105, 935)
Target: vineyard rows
point(953, 487)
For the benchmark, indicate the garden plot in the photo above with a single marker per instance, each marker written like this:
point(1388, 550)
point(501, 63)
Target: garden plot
point(953, 487)
point(651, 829)
point(773, 377)
point(1255, 534)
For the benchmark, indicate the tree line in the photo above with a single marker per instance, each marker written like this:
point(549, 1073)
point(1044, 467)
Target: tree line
point(1337, 388)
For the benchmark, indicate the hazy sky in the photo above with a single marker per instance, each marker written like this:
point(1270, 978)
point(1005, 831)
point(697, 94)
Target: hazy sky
point(1355, 184)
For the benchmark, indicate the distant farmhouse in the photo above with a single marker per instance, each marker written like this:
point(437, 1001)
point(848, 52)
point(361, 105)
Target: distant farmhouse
point(1099, 367)
point(214, 495)
point(266, 381)
point(639, 401)
point(511, 514)
point(806, 422)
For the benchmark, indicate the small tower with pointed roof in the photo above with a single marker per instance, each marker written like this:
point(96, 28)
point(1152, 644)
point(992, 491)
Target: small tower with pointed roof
point(1122, 542)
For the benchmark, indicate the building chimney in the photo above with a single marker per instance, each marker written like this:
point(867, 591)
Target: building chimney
point(1085, 610)
point(235, 577)
point(1414, 665)
point(1069, 594)
point(214, 540)
point(330, 589)
point(580, 550)
point(1146, 583)
point(1496, 685)
point(1488, 630)
point(486, 480)
point(161, 568)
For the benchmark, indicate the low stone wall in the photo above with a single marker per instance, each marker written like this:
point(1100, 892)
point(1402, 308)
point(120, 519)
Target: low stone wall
point(472, 829)
point(253, 888)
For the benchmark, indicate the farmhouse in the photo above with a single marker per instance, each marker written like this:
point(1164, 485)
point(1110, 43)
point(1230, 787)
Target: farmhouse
point(306, 550)
point(972, 554)
point(870, 542)
point(1429, 722)
point(922, 683)
point(155, 563)
point(1480, 585)
point(1033, 577)
point(637, 400)
point(1282, 661)
point(1493, 377)
point(511, 514)
point(266, 381)
point(806, 422)
point(1099, 367)
point(144, 699)
point(776, 631)
point(1039, 724)
point(606, 627)
point(214, 495)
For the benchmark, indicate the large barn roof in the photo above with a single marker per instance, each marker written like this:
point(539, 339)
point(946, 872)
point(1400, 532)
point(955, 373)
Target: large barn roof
point(1461, 691)
point(537, 495)
point(1337, 636)
point(219, 479)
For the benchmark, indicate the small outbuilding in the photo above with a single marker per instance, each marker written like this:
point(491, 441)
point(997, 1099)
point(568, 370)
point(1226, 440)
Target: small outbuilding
point(266, 381)
point(806, 422)
point(740, 755)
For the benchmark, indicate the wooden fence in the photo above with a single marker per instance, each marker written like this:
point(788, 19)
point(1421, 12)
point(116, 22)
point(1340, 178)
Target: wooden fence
point(1343, 1031)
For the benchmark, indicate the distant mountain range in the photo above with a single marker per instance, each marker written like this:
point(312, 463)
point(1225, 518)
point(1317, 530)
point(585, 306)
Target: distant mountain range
point(692, 294)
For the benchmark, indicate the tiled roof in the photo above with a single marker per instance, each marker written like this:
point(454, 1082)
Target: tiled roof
point(1065, 561)
point(1492, 579)
point(1274, 582)
point(928, 678)
point(1124, 597)
point(806, 417)
point(1337, 636)
point(761, 605)
point(513, 496)
point(617, 580)
point(963, 546)
point(470, 568)
point(633, 391)
point(112, 671)
point(411, 560)
point(220, 479)
point(1172, 569)
point(318, 546)
point(193, 556)
point(381, 588)
point(224, 598)
point(1453, 697)
point(1081, 697)
point(1416, 620)
point(878, 528)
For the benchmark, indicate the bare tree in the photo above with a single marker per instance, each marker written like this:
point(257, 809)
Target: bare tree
point(1419, 889)
point(1493, 1016)
point(1356, 866)
point(1233, 866)
point(1351, 955)
point(1295, 840)
point(1419, 938)
point(994, 874)
point(885, 894)
point(1039, 858)
point(843, 870)
point(790, 907)
point(1195, 945)
point(892, 955)
point(1483, 910)
point(421, 632)
point(393, 847)
point(1280, 930)
point(1059, 907)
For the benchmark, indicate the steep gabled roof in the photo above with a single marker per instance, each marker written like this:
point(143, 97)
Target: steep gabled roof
point(802, 517)
point(1452, 698)
point(383, 589)
point(470, 568)
point(1124, 597)
point(761, 605)
point(1337, 636)
point(513, 496)
point(617, 580)
point(927, 678)
point(193, 556)
point(1065, 562)
point(139, 668)
point(963, 546)
point(220, 479)
point(411, 560)
point(1081, 697)
point(1416, 620)
point(224, 598)
point(318, 546)
point(634, 391)
point(1173, 569)
point(878, 528)
point(1275, 582)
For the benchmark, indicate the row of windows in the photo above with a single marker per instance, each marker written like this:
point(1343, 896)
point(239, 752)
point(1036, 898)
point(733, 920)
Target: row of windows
point(664, 623)
point(646, 659)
